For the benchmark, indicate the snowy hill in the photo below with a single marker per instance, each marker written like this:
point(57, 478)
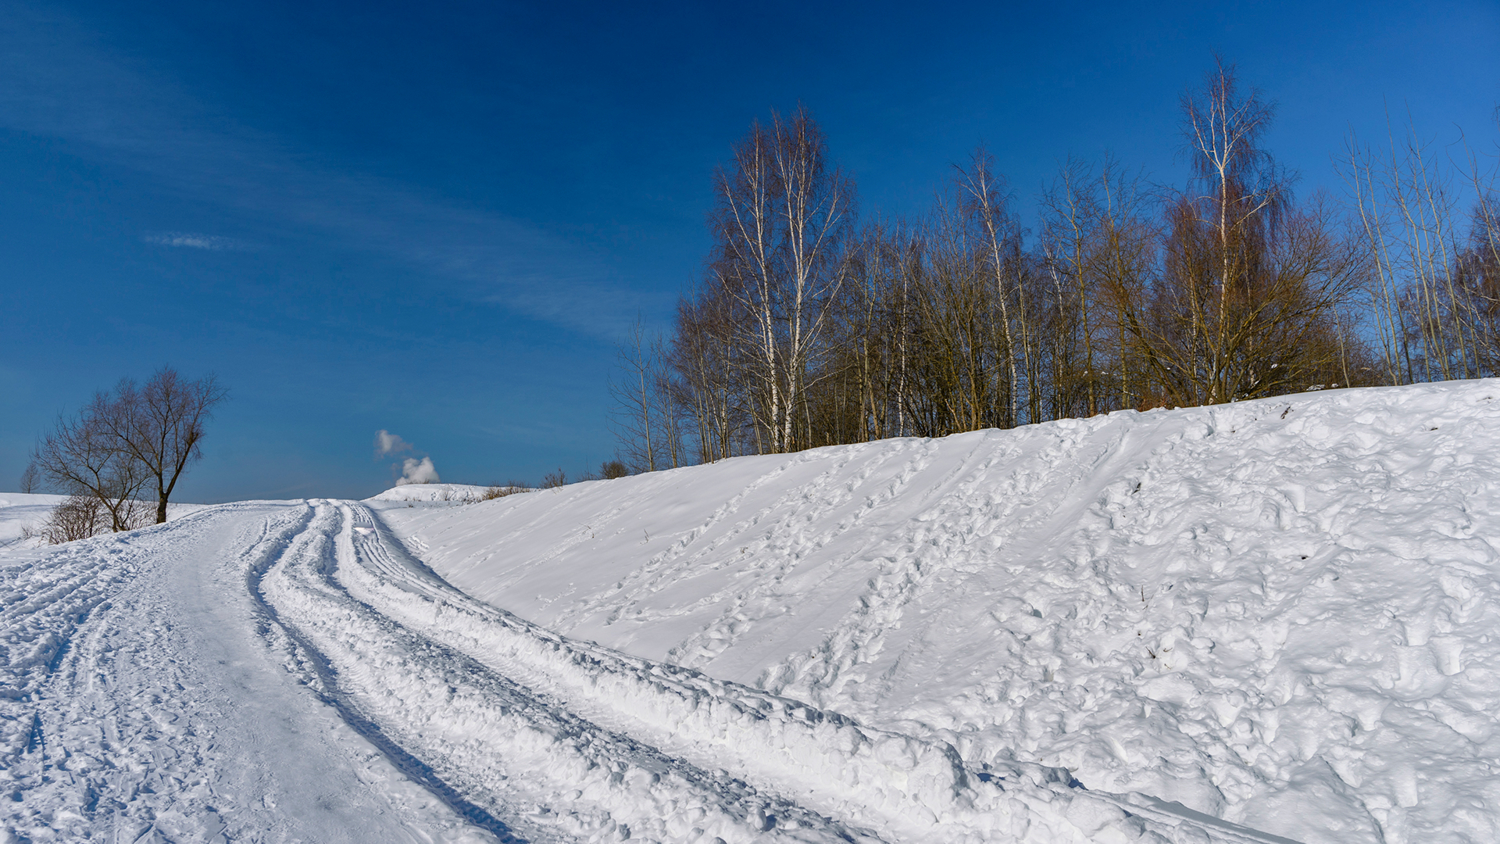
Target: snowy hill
point(1282, 613)
point(462, 493)
point(1250, 624)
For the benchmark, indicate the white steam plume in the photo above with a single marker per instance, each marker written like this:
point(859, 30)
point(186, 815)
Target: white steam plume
point(389, 443)
point(414, 471)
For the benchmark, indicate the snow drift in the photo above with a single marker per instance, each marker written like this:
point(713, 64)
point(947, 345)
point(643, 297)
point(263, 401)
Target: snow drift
point(1280, 613)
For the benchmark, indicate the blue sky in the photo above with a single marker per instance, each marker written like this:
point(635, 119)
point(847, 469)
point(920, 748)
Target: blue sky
point(439, 219)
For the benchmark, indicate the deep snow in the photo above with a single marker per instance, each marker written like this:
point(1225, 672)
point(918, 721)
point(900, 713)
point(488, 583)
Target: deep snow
point(1178, 626)
point(1282, 612)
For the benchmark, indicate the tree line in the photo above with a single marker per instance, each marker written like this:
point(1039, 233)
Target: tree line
point(810, 327)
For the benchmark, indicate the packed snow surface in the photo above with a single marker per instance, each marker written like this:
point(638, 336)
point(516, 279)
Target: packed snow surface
point(1262, 622)
point(1281, 613)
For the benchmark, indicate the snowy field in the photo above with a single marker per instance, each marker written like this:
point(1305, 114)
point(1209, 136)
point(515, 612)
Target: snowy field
point(1261, 622)
point(20, 511)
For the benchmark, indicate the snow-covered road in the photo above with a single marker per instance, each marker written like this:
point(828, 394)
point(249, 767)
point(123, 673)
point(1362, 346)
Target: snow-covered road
point(289, 671)
point(144, 698)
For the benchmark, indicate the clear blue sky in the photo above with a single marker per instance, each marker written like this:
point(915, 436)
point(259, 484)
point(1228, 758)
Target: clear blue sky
point(438, 219)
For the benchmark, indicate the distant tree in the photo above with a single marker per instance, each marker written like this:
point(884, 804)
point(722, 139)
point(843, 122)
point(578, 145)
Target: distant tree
point(30, 478)
point(612, 469)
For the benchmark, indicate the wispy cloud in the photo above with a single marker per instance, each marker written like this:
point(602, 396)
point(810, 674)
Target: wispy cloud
point(59, 80)
point(190, 240)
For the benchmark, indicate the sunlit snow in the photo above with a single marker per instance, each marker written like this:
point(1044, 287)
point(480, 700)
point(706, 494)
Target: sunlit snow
point(1265, 621)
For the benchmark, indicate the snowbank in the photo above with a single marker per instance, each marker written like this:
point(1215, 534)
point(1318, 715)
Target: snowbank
point(461, 493)
point(1280, 613)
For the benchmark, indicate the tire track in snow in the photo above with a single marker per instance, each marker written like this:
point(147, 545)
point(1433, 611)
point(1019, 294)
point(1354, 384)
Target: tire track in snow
point(904, 789)
point(506, 749)
point(153, 714)
point(321, 676)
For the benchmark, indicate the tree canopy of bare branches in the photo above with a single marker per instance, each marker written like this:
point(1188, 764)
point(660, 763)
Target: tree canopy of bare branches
point(1249, 279)
point(126, 441)
point(160, 425)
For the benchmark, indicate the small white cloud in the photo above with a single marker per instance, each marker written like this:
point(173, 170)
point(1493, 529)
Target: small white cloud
point(414, 471)
point(389, 443)
point(192, 241)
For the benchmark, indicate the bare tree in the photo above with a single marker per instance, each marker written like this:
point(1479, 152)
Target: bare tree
point(30, 478)
point(1435, 316)
point(160, 425)
point(81, 457)
point(962, 358)
point(782, 216)
point(872, 338)
point(128, 438)
point(637, 423)
point(984, 201)
point(1250, 284)
point(706, 371)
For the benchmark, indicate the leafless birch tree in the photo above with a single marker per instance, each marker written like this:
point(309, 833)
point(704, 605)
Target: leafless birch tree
point(782, 215)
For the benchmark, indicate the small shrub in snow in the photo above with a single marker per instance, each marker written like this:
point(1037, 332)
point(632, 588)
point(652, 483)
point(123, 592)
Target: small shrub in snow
point(502, 490)
point(79, 517)
point(83, 515)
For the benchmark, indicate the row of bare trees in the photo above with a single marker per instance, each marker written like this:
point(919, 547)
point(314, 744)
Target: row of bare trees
point(1435, 291)
point(119, 458)
point(810, 328)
